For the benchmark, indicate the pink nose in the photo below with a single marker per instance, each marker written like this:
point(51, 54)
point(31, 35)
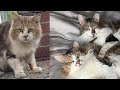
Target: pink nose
point(25, 36)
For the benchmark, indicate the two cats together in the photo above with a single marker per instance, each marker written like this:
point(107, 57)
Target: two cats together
point(96, 56)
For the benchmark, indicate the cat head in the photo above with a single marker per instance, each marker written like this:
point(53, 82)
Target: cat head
point(88, 23)
point(71, 57)
point(25, 28)
point(116, 29)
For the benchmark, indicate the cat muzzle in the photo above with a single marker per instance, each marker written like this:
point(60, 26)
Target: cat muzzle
point(78, 63)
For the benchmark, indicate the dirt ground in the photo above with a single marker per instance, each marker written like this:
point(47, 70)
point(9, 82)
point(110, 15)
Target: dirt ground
point(43, 75)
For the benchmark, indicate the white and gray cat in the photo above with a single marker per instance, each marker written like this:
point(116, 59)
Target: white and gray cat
point(19, 41)
point(87, 66)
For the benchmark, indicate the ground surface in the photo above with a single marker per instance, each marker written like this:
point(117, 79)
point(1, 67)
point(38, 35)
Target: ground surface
point(43, 75)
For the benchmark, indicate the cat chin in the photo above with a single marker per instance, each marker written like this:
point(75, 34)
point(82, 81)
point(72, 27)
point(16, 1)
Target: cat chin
point(25, 41)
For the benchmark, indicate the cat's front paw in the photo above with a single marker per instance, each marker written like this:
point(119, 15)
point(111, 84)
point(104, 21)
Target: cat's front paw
point(101, 55)
point(20, 75)
point(37, 69)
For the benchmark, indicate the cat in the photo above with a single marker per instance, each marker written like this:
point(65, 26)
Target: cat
point(70, 59)
point(92, 32)
point(87, 66)
point(92, 68)
point(88, 23)
point(112, 42)
point(19, 41)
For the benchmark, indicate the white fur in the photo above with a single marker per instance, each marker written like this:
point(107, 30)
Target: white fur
point(85, 37)
point(94, 69)
point(101, 35)
point(17, 68)
point(21, 49)
point(106, 47)
point(117, 35)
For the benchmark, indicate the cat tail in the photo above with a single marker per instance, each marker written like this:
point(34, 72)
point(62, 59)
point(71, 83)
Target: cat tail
point(4, 66)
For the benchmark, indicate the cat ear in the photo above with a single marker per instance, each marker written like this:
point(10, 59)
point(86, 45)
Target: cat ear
point(36, 18)
point(113, 26)
point(60, 57)
point(15, 15)
point(96, 17)
point(76, 44)
point(81, 19)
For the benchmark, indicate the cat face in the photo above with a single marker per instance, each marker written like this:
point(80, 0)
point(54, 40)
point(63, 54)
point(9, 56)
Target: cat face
point(25, 28)
point(88, 24)
point(116, 30)
point(71, 57)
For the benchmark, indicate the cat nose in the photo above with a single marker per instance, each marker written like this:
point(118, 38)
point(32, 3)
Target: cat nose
point(25, 36)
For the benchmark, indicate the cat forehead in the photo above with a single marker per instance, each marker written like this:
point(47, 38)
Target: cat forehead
point(72, 51)
point(92, 23)
point(24, 19)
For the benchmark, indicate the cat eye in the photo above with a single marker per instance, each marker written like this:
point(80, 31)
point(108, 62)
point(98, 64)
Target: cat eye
point(19, 30)
point(30, 30)
point(37, 22)
point(77, 56)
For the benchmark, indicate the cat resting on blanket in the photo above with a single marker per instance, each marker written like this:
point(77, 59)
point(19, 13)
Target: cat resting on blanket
point(90, 67)
point(70, 60)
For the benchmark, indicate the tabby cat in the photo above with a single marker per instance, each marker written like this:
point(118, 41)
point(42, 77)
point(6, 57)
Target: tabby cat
point(70, 60)
point(19, 41)
point(83, 64)
point(88, 23)
point(92, 32)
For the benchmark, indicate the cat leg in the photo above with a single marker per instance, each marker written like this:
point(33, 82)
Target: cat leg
point(102, 53)
point(32, 63)
point(105, 48)
point(17, 68)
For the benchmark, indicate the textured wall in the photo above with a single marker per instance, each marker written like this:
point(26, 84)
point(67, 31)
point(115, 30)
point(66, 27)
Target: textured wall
point(42, 52)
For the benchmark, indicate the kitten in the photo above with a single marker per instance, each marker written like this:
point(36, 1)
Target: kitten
point(70, 60)
point(92, 68)
point(93, 33)
point(89, 68)
point(87, 28)
point(20, 39)
point(88, 23)
point(112, 43)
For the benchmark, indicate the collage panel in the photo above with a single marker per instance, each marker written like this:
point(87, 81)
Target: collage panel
point(30, 58)
point(84, 45)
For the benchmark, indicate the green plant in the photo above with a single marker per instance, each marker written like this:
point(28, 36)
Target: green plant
point(9, 15)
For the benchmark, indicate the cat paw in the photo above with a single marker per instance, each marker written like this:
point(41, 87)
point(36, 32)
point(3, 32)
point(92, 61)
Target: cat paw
point(37, 70)
point(105, 61)
point(101, 55)
point(20, 75)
